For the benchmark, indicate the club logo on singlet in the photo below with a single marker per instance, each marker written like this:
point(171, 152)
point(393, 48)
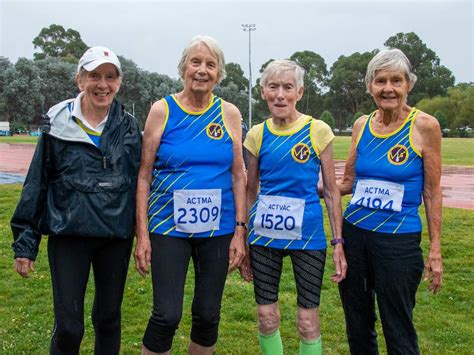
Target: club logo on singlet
point(214, 131)
point(300, 152)
point(398, 154)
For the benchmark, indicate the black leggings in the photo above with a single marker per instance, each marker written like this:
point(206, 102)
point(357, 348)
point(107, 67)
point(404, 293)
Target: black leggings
point(389, 267)
point(308, 269)
point(169, 264)
point(70, 259)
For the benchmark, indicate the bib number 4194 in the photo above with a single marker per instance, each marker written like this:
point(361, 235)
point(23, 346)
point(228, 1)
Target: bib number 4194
point(378, 195)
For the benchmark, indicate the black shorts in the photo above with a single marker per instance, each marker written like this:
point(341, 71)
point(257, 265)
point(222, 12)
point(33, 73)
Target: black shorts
point(308, 268)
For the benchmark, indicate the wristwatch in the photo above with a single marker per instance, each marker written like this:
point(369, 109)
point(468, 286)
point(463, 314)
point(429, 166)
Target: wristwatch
point(241, 224)
point(337, 241)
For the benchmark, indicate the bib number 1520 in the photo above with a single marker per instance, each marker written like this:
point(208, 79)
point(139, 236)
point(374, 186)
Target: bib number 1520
point(277, 222)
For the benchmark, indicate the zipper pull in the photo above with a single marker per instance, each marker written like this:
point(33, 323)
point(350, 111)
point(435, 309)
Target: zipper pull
point(104, 162)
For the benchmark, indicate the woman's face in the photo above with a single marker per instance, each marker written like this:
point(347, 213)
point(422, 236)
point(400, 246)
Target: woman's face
point(389, 89)
point(281, 95)
point(99, 85)
point(202, 70)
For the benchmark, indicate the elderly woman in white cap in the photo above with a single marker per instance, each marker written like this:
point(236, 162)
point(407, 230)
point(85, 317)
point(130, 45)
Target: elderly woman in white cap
point(80, 192)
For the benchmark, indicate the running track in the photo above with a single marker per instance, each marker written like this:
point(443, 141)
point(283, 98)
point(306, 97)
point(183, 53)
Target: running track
point(457, 182)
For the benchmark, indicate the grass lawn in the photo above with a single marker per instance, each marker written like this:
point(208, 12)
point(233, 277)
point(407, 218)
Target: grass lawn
point(444, 321)
point(455, 151)
point(18, 139)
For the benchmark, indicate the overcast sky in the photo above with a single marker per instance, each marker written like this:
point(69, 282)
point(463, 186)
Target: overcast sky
point(153, 33)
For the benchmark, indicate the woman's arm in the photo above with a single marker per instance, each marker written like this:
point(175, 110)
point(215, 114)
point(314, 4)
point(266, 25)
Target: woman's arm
point(25, 219)
point(345, 185)
point(427, 131)
point(333, 205)
point(237, 249)
point(253, 178)
point(151, 142)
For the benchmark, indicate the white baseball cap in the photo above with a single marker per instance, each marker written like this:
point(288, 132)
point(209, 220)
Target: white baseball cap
point(96, 56)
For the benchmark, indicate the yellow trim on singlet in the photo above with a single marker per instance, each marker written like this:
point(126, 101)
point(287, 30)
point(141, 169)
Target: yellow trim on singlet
point(167, 109)
point(394, 132)
point(211, 102)
point(311, 137)
point(363, 128)
point(260, 141)
point(417, 152)
point(223, 120)
point(289, 133)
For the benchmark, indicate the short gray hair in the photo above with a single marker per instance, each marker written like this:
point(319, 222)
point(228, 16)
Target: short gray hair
point(390, 59)
point(277, 67)
point(213, 47)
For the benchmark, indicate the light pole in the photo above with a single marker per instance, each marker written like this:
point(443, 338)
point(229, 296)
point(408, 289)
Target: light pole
point(249, 27)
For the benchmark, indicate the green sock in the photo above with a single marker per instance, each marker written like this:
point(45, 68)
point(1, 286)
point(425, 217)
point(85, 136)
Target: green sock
point(271, 344)
point(311, 347)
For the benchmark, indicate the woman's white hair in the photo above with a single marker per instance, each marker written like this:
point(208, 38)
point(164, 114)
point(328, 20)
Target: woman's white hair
point(393, 60)
point(277, 67)
point(213, 47)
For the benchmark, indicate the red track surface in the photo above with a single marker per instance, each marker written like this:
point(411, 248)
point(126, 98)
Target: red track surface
point(457, 182)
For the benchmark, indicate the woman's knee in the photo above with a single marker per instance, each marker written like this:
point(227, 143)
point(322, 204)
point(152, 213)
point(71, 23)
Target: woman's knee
point(268, 318)
point(68, 335)
point(307, 324)
point(107, 323)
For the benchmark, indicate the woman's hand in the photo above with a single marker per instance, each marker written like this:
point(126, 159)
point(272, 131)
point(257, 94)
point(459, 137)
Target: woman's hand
point(340, 263)
point(143, 255)
point(237, 249)
point(434, 271)
point(245, 269)
point(23, 266)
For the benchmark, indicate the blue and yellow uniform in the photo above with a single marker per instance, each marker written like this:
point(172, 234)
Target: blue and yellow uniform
point(289, 166)
point(195, 160)
point(389, 169)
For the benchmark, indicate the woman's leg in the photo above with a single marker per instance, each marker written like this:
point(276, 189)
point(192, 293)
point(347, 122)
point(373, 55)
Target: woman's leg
point(69, 261)
point(308, 269)
point(110, 265)
point(169, 265)
point(211, 261)
point(267, 266)
point(357, 293)
point(398, 266)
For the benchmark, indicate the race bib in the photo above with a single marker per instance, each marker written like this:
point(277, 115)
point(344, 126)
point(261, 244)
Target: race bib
point(378, 194)
point(197, 211)
point(279, 217)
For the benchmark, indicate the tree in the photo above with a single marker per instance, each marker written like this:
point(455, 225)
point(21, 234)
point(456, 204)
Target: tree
point(23, 93)
point(356, 116)
point(457, 106)
point(55, 41)
point(327, 117)
point(315, 80)
point(5, 66)
point(235, 75)
point(57, 81)
point(439, 115)
point(433, 79)
point(347, 91)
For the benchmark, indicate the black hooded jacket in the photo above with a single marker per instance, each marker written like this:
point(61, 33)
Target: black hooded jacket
point(74, 188)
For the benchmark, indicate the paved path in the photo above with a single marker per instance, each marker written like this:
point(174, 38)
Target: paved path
point(457, 182)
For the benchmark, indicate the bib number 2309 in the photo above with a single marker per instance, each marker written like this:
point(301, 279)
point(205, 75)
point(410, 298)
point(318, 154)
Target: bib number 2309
point(197, 211)
point(279, 217)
